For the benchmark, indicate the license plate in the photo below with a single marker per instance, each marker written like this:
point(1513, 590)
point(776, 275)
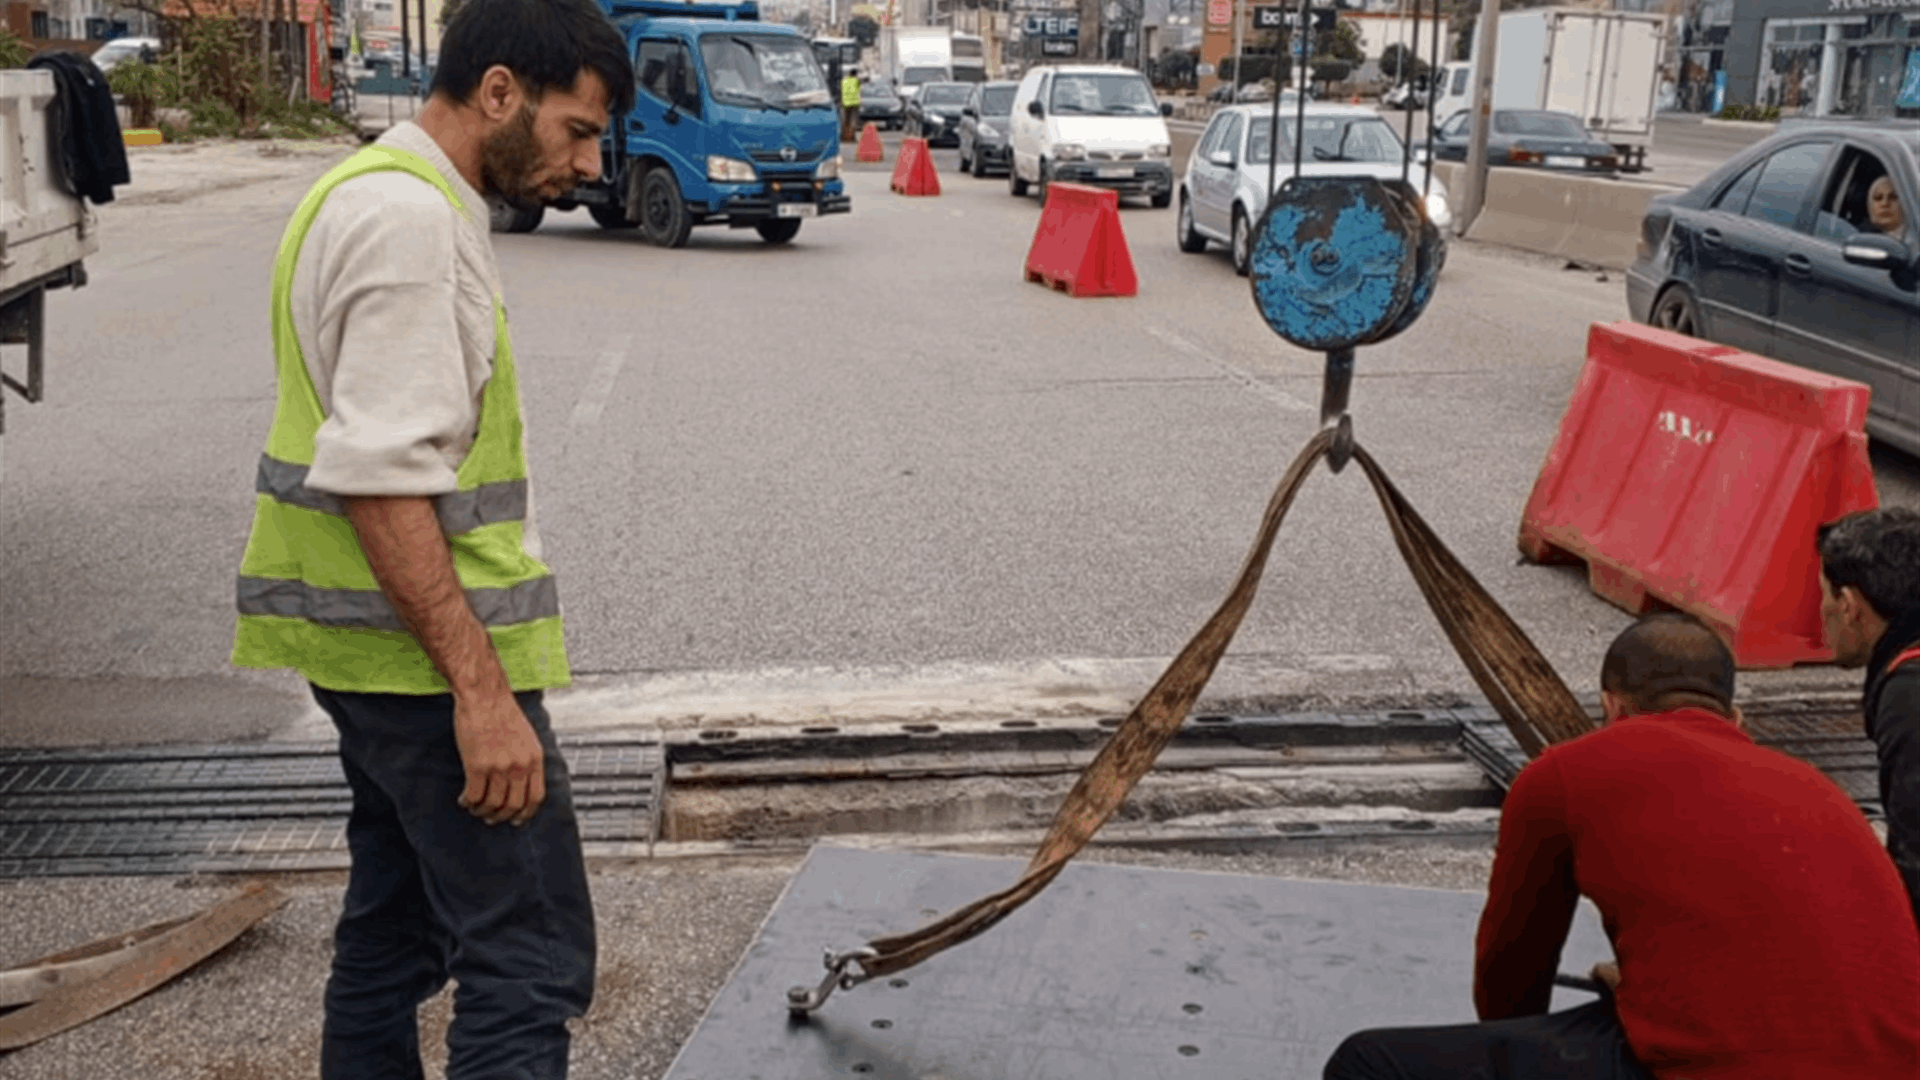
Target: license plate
point(796, 209)
point(1562, 161)
point(1113, 174)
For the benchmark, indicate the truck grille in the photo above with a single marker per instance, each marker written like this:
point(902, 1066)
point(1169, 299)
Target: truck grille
point(802, 155)
point(1115, 155)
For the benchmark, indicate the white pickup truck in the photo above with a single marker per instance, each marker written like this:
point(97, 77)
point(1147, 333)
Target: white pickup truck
point(45, 232)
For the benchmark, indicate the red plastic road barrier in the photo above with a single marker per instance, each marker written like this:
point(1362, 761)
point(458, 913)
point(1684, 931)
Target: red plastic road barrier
point(1693, 476)
point(1079, 246)
point(913, 174)
point(870, 145)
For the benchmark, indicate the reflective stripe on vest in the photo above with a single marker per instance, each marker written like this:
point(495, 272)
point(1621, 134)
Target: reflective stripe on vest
point(308, 598)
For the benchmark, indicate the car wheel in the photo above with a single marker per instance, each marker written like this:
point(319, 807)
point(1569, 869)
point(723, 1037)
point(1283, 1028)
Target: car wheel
point(1015, 185)
point(979, 165)
point(1675, 311)
point(1242, 242)
point(1040, 185)
point(663, 214)
point(1190, 239)
point(778, 231)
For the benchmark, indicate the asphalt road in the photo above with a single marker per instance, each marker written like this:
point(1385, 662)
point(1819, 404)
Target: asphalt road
point(870, 475)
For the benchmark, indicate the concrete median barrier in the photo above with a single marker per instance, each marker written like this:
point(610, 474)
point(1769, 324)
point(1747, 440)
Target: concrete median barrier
point(1588, 218)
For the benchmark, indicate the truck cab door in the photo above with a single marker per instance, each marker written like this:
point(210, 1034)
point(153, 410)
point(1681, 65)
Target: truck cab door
point(665, 119)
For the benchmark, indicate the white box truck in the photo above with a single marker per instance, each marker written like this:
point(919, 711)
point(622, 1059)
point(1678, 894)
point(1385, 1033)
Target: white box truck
point(45, 231)
point(912, 56)
point(1601, 66)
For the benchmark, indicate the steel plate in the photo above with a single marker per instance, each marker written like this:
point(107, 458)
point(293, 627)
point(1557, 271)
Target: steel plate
point(1112, 973)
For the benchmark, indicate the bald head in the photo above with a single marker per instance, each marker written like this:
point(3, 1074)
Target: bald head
point(1668, 661)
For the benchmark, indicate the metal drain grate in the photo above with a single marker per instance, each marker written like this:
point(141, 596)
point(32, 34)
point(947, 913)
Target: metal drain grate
point(1831, 739)
point(171, 810)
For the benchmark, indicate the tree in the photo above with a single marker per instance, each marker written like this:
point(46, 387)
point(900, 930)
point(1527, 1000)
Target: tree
point(864, 30)
point(1401, 64)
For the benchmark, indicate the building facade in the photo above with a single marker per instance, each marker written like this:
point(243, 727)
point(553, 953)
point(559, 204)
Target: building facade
point(1847, 58)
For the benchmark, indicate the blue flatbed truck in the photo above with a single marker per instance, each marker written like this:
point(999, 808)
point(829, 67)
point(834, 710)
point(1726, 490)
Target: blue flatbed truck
point(732, 123)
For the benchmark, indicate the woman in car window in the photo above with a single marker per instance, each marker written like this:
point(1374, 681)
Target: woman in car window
point(1883, 207)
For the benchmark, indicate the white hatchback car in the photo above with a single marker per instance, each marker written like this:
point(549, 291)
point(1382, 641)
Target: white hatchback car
point(1225, 188)
point(1088, 124)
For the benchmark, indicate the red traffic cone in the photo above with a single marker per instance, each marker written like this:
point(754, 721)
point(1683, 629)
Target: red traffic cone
point(913, 173)
point(870, 145)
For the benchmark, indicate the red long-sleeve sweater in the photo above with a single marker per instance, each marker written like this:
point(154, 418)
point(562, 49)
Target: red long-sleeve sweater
point(1761, 930)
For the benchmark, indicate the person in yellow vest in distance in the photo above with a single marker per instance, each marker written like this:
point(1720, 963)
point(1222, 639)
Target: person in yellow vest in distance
point(395, 562)
point(849, 104)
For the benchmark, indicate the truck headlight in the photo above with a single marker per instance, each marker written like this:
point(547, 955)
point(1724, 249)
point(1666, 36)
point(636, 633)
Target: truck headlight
point(829, 169)
point(1160, 150)
point(1438, 211)
point(726, 170)
point(1070, 152)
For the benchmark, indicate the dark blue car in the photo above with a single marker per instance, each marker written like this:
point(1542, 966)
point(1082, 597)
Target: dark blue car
point(1804, 248)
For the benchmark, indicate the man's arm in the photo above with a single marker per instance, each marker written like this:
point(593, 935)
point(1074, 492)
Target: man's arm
point(1530, 900)
point(505, 764)
point(1896, 736)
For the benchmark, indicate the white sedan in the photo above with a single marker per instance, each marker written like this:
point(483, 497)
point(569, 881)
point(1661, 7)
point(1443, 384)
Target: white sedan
point(1225, 188)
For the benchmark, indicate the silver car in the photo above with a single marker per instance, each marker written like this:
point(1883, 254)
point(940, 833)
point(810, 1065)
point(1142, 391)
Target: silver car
point(1225, 189)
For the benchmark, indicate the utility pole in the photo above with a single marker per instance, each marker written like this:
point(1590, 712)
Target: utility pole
point(1474, 182)
point(406, 42)
point(1239, 19)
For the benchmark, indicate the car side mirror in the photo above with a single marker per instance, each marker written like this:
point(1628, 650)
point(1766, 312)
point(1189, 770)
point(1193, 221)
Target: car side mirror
point(1166, 108)
point(1034, 108)
point(1876, 251)
point(1222, 158)
point(968, 111)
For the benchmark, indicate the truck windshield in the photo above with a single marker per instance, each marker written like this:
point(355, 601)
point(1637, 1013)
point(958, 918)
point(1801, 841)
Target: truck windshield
point(1328, 139)
point(1103, 95)
point(763, 70)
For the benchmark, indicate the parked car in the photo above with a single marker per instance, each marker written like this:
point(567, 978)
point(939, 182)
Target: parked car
point(1804, 247)
point(1091, 124)
point(1529, 138)
point(881, 105)
point(934, 112)
point(120, 50)
point(1224, 191)
point(985, 126)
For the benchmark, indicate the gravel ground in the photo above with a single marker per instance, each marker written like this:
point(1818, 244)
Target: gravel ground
point(671, 932)
point(176, 172)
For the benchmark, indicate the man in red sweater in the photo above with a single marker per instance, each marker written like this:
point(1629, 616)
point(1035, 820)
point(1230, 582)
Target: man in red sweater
point(1760, 931)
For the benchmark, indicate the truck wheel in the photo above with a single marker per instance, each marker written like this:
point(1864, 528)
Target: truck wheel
point(511, 219)
point(663, 214)
point(778, 231)
point(1040, 184)
point(610, 216)
point(1014, 184)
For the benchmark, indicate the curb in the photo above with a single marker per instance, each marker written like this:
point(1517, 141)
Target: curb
point(1750, 125)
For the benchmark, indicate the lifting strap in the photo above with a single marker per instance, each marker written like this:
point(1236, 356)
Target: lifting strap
point(1523, 687)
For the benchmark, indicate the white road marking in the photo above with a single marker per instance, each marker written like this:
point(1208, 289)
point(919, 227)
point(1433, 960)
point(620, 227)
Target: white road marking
point(606, 372)
point(1240, 375)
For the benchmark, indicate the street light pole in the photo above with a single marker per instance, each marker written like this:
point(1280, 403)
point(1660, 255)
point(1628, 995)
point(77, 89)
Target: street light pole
point(1238, 18)
point(1475, 180)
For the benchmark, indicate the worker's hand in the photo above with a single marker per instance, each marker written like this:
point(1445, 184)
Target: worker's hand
point(1608, 973)
point(505, 763)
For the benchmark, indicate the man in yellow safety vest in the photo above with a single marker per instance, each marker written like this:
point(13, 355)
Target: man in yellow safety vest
point(394, 560)
point(849, 104)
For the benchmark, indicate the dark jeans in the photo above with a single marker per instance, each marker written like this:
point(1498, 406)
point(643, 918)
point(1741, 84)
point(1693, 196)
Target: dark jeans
point(1586, 1043)
point(436, 893)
